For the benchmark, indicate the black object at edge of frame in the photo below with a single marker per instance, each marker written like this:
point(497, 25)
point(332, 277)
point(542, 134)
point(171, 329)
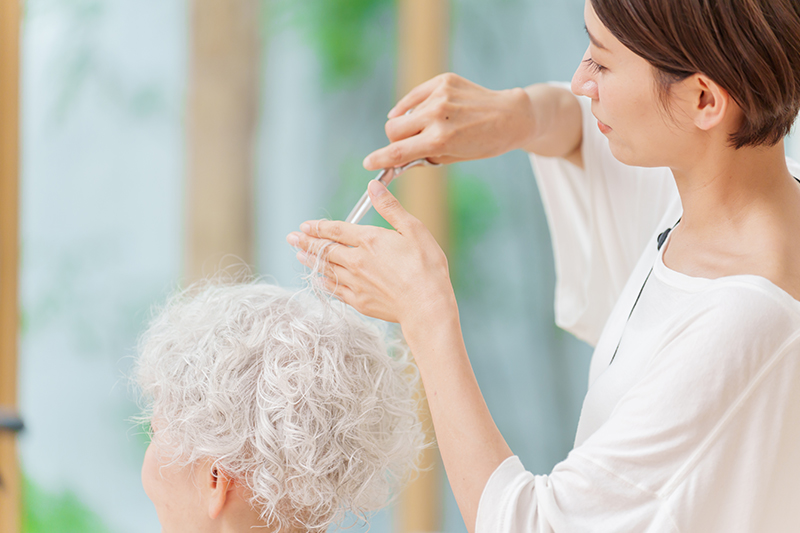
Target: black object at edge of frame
point(660, 240)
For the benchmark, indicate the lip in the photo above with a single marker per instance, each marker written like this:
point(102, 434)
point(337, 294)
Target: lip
point(603, 128)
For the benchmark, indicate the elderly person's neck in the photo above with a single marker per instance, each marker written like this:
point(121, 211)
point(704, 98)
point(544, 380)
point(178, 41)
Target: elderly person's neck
point(238, 516)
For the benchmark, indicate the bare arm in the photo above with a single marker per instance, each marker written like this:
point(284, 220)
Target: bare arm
point(559, 130)
point(469, 441)
point(414, 290)
point(453, 120)
point(457, 120)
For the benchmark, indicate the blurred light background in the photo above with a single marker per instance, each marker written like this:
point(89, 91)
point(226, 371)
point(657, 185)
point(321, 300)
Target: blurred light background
point(106, 165)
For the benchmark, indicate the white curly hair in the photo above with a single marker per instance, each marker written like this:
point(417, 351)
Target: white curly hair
point(292, 393)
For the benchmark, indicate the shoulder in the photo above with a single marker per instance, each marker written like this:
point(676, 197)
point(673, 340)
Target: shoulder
point(735, 325)
point(724, 343)
point(743, 304)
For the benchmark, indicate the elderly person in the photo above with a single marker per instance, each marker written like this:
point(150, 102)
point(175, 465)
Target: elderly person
point(272, 408)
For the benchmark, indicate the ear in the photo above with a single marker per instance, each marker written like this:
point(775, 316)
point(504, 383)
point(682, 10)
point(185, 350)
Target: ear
point(711, 102)
point(217, 486)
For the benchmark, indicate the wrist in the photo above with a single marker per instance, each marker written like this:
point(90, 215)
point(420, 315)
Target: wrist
point(439, 312)
point(525, 123)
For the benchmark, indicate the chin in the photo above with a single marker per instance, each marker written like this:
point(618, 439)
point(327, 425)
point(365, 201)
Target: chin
point(634, 157)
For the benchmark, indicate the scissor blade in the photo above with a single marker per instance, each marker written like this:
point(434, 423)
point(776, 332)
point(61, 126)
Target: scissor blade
point(361, 209)
point(385, 176)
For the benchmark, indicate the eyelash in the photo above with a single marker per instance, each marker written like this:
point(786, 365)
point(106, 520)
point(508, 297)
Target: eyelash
point(595, 66)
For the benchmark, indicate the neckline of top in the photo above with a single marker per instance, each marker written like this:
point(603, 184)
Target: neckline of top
point(696, 283)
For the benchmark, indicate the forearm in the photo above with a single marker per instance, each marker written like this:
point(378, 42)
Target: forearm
point(556, 125)
point(468, 439)
point(457, 120)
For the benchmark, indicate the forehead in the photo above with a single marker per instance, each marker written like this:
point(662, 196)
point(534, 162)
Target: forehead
point(598, 34)
point(610, 49)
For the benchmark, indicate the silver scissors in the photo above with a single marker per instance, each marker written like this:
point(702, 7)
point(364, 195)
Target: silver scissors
point(385, 176)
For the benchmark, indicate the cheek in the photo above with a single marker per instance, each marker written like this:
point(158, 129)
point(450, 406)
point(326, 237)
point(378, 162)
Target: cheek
point(175, 495)
point(150, 475)
point(162, 484)
point(633, 115)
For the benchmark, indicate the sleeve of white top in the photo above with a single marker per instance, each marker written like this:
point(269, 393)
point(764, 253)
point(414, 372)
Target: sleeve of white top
point(581, 496)
point(693, 446)
point(600, 219)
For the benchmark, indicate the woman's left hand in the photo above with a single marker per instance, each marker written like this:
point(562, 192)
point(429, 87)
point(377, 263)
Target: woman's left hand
point(398, 275)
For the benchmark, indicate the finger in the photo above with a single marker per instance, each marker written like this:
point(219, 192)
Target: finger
point(340, 290)
point(334, 230)
point(389, 208)
point(323, 265)
point(327, 251)
point(445, 160)
point(307, 243)
point(414, 97)
point(339, 274)
point(405, 126)
point(402, 152)
point(316, 265)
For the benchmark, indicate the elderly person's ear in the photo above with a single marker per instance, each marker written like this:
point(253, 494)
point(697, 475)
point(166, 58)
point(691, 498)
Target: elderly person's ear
point(216, 488)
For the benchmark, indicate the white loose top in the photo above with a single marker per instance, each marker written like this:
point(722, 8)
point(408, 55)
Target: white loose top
point(695, 426)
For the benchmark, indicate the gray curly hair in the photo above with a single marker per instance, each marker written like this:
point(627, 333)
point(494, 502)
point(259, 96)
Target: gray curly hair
point(292, 393)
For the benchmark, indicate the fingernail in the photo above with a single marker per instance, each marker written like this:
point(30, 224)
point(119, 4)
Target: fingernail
point(293, 239)
point(366, 162)
point(305, 227)
point(376, 188)
point(302, 257)
point(391, 111)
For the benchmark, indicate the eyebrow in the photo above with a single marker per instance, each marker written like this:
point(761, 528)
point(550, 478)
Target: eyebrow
point(594, 41)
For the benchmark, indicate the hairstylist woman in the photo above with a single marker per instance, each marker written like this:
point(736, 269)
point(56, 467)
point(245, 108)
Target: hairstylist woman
point(692, 418)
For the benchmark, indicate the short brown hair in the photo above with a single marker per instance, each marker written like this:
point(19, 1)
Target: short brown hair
point(751, 48)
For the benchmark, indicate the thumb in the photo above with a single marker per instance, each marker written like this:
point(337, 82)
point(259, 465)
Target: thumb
point(387, 205)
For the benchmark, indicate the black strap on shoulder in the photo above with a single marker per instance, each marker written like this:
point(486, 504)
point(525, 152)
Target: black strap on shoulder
point(660, 240)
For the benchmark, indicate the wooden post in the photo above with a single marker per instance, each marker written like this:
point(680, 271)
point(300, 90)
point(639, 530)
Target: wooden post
point(10, 508)
point(423, 45)
point(223, 108)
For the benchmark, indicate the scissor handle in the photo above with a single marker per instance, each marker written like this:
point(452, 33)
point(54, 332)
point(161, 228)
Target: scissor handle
point(386, 176)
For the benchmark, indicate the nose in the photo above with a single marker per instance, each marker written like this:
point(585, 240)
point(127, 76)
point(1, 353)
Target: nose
point(583, 81)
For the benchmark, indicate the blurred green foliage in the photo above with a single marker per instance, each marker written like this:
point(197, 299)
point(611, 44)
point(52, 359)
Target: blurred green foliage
point(63, 512)
point(473, 212)
point(348, 35)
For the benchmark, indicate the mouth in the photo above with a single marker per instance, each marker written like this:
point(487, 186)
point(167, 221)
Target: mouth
point(605, 130)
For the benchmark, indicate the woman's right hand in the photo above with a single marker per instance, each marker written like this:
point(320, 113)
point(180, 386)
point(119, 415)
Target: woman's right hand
point(455, 120)
point(397, 275)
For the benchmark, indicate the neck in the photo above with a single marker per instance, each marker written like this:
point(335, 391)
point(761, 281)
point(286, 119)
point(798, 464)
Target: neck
point(727, 189)
point(250, 523)
point(238, 516)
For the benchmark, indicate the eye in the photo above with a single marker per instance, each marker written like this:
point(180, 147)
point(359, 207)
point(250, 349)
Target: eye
point(595, 66)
